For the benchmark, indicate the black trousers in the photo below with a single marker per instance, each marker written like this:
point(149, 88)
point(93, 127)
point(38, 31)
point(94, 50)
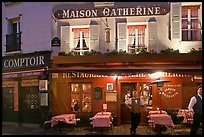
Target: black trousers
point(135, 120)
point(197, 119)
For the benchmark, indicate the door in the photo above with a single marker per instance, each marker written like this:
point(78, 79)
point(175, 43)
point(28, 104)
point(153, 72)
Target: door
point(29, 105)
point(188, 90)
point(126, 88)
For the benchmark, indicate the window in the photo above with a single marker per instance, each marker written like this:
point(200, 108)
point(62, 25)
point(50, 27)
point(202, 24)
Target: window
point(13, 38)
point(136, 38)
point(81, 97)
point(30, 99)
point(8, 99)
point(146, 93)
point(191, 28)
point(81, 40)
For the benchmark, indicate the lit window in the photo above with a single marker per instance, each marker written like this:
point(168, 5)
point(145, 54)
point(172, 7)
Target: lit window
point(136, 38)
point(191, 29)
point(81, 97)
point(81, 40)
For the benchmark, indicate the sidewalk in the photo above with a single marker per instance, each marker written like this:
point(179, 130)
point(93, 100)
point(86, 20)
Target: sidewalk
point(117, 130)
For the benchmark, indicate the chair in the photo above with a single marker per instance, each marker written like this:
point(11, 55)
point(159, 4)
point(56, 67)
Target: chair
point(189, 117)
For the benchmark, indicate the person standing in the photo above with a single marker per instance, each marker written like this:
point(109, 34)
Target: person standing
point(135, 103)
point(195, 105)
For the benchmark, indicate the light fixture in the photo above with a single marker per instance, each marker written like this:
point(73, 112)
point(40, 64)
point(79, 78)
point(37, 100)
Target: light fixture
point(107, 30)
point(107, 33)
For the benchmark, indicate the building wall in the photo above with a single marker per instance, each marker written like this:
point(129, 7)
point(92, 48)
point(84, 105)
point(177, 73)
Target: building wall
point(40, 16)
point(163, 29)
point(174, 93)
point(35, 24)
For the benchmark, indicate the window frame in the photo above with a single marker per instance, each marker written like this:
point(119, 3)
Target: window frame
point(189, 30)
point(136, 45)
point(81, 94)
point(82, 30)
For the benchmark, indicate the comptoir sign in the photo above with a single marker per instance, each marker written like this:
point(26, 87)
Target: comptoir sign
point(26, 61)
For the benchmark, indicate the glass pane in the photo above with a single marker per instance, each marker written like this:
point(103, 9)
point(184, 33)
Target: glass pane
point(86, 34)
point(75, 104)
point(184, 24)
point(195, 34)
point(31, 99)
point(86, 87)
point(8, 99)
point(194, 12)
point(194, 23)
point(146, 93)
point(75, 87)
point(131, 32)
point(76, 34)
point(184, 35)
point(184, 12)
point(86, 102)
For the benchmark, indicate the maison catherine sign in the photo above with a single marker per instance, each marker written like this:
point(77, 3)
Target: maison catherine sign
point(38, 59)
point(110, 12)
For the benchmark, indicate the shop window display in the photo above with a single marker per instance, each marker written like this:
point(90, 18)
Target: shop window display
point(81, 97)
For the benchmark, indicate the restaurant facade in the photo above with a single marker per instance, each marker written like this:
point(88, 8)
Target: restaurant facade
point(25, 87)
point(113, 48)
point(101, 51)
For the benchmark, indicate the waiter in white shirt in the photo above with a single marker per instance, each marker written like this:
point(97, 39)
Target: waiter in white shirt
point(134, 104)
point(195, 105)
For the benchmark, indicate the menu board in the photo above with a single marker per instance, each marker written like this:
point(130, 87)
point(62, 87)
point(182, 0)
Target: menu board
point(44, 99)
point(111, 96)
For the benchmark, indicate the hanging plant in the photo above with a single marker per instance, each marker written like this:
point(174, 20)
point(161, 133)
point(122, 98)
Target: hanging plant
point(92, 52)
point(142, 51)
point(169, 51)
point(194, 51)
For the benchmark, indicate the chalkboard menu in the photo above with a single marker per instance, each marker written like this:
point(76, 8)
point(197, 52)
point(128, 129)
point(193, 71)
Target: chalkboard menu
point(98, 93)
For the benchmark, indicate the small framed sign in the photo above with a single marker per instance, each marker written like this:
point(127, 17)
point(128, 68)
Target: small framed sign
point(98, 93)
point(55, 42)
point(111, 96)
point(43, 85)
point(44, 99)
point(109, 86)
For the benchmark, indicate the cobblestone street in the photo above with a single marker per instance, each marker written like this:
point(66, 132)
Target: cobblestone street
point(116, 130)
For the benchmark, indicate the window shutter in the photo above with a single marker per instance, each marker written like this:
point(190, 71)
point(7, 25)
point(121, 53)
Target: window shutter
point(121, 34)
point(146, 37)
point(94, 36)
point(136, 37)
point(65, 39)
point(152, 30)
point(175, 20)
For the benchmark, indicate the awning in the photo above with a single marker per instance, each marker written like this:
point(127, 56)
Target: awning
point(27, 73)
point(129, 70)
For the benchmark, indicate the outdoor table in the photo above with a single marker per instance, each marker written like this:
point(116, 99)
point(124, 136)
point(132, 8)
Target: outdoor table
point(186, 114)
point(66, 118)
point(102, 119)
point(160, 120)
point(157, 112)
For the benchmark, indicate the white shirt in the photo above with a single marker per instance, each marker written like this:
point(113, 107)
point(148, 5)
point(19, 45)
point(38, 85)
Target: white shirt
point(193, 101)
point(129, 101)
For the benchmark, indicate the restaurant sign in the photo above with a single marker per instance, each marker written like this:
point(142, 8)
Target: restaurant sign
point(110, 12)
point(23, 74)
point(136, 75)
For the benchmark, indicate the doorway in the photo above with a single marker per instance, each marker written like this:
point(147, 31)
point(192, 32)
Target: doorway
point(126, 88)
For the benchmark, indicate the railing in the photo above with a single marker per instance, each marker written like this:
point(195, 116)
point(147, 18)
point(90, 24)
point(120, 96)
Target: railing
point(136, 49)
point(13, 42)
point(80, 51)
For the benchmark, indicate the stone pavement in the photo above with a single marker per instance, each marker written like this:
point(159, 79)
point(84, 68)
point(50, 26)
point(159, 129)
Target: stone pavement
point(8, 129)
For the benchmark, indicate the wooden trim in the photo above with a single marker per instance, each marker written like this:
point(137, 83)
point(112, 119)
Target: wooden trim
point(131, 58)
point(191, 7)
